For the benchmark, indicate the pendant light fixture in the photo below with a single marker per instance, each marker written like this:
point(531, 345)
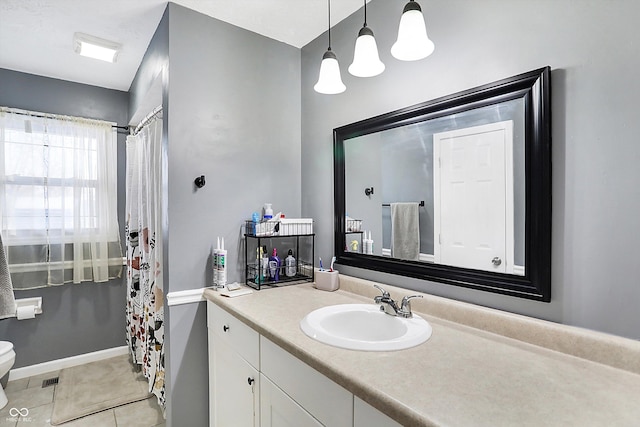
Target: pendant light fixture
point(329, 80)
point(366, 62)
point(413, 42)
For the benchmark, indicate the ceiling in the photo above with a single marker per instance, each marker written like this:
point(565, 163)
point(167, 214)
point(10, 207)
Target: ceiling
point(36, 35)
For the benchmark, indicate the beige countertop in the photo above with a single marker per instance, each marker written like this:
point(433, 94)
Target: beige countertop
point(481, 367)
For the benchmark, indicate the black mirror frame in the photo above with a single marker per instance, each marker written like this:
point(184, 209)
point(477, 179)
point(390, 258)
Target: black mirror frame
point(534, 88)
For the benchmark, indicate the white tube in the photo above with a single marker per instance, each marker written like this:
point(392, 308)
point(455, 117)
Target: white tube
point(222, 266)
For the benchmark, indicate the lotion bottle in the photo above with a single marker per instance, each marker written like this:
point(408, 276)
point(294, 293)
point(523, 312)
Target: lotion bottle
point(265, 263)
point(268, 212)
point(259, 279)
point(290, 264)
point(274, 266)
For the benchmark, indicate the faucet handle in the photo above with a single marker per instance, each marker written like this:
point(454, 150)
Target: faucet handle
point(385, 294)
point(406, 303)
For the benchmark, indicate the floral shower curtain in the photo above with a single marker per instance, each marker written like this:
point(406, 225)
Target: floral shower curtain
point(145, 311)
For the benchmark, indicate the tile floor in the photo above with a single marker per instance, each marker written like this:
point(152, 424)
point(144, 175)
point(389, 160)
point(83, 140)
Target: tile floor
point(28, 393)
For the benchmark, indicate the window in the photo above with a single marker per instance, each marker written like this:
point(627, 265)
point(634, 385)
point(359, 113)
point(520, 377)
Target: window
point(58, 198)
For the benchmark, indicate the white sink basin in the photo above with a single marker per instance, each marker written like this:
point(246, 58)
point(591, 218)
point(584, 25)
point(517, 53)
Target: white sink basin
point(364, 327)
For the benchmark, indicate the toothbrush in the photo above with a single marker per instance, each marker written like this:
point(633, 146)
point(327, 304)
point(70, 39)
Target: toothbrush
point(333, 259)
point(321, 269)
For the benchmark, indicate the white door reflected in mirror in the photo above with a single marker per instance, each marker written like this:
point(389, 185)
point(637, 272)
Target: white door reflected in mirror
point(473, 198)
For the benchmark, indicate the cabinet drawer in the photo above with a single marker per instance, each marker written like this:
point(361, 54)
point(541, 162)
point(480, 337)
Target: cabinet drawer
point(231, 331)
point(328, 402)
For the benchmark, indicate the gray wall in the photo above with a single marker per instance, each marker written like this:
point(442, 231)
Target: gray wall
point(85, 317)
point(232, 113)
point(591, 47)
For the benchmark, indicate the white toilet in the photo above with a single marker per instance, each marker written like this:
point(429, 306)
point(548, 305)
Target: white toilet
point(7, 358)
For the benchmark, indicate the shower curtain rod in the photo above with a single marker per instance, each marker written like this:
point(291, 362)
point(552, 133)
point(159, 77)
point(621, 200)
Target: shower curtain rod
point(58, 116)
point(154, 113)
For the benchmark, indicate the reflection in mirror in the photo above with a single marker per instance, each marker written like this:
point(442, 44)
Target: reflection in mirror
point(468, 197)
point(455, 190)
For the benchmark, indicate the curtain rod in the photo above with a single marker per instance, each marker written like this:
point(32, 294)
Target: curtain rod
point(57, 116)
point(153, 114)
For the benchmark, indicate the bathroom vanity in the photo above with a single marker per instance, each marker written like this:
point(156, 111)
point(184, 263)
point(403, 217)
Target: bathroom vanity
point(480, 367)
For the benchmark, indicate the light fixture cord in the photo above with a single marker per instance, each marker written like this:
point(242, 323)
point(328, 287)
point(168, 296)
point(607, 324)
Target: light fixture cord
point(329, 17)
point(365, 13)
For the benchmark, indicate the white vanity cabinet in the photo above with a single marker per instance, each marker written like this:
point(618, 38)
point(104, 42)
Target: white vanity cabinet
point(254, 382)
point(234, 379)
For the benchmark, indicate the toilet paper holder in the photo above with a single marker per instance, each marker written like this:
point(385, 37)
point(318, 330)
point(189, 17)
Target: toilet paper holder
point(36, 302)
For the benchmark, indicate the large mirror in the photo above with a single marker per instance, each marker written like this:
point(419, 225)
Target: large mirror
point(456, 190)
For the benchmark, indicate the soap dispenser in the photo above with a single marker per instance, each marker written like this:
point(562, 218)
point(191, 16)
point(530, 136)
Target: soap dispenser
point(290, 264)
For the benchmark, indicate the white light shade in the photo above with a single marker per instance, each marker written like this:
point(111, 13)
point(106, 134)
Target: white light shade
point(94, 47)
point(329, 80)
point(366, 62)
point(413, 42)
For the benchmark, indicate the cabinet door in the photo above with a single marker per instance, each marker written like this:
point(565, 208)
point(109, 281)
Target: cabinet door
point(325, 400)
point(234, 388)
point(279, 410)
point(365, 415)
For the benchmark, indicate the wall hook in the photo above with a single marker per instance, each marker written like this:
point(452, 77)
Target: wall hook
point(368, 191)
point(199, 181)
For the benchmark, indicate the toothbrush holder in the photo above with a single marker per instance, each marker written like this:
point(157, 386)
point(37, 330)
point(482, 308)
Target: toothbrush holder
point(327, 280)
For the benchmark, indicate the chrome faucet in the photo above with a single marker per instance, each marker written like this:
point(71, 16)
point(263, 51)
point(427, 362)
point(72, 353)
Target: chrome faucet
point(389, 306)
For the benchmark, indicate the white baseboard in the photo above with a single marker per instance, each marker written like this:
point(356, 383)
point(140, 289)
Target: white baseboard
point(186, 297)
point(67, 362)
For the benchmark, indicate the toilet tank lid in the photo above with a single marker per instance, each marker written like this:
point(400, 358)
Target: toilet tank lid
point(5, 347)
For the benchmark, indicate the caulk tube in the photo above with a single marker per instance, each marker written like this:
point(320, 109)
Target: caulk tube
point(215, 264)
point(222, 266)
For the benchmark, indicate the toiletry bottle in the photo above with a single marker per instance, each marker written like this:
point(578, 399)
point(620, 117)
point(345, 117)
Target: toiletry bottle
point(259, 278)
point(268, 212)
point(370, 244)
point(255, 219)
point(222, 266)
point(265, 263)
point(290, 264)
point(274, 266)
point(365, 243)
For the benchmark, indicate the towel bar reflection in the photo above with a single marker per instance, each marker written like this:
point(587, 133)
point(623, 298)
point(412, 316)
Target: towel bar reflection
point(421, 203)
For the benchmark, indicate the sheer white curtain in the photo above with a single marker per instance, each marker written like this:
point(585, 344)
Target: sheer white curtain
point(58, 199)
point(145, 295)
